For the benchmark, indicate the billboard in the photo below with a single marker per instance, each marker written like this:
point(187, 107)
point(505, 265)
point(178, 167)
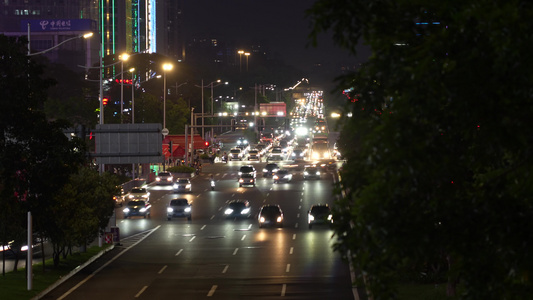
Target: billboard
point(54, 25)
point(273, 109)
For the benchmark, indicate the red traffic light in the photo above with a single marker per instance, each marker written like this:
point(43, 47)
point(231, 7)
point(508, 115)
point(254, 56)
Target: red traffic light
point(207, 144)
point(105, 100)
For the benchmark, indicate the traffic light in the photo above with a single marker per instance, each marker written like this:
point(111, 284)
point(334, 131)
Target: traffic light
point(105, 100)
point(207, 144)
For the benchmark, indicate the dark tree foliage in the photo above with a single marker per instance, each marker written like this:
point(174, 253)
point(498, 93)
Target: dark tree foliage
point(439, 146)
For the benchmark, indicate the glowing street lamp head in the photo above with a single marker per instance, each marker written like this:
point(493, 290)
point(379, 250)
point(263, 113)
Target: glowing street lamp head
point(240, 52)
point(124, 56)
point(87, 35)
point(167, 67)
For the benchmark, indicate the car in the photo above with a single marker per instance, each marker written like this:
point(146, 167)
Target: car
point(119, 197)
point(238, 209)
point(270, 215)
point(319, 214)
point(138, 193)
point(311, 172)
point(182, 185)
point(282, 176)
point(163, 178)
point(249, 169)
point(246, 179)
point(235, 154)
point(270, 169)
point(139, 208)
point(179, 208)
point(276, 153)
point(242, 141)
point(254, 155)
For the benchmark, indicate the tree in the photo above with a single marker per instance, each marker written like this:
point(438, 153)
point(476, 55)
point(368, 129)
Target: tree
point(438, 148)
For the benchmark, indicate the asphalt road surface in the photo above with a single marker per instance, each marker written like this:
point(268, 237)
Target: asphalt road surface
point(211, 256)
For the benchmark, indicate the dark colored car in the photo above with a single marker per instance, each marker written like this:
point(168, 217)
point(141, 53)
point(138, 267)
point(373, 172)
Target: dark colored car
point(138, 208)
point(270, 215)
point(249, 169)
point(311, 172)
point(247, 179)
point(238, 209)
point(179, 208)
point(319, 214)
point(270, 169)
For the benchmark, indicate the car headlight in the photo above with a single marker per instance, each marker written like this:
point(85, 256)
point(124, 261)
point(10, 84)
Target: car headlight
point(228, 211)
point(276, 177)
point(245, 211)
point(170, 209)
point(187, 209)
point(265, 170)
point(306, 173)
point(131, 196)
point(241, 180)
point(311, 218)
point(262, 220)
point(169, 179)
point(142, 209)
point(279, 219)
point(175, 186)
point(126, 210)
point(315, 155)
point(330, 217)
point(188, 186)
point(317, 172)
point(157, 179)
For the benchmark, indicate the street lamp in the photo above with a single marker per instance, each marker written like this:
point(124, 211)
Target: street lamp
point(122, 58)
point(247, 54)
point(132, 96)
point(212, 86)
point(166, 67)
point(241, 52)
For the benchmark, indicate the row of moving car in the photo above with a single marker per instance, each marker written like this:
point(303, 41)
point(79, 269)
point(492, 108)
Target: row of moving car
point(272, 215)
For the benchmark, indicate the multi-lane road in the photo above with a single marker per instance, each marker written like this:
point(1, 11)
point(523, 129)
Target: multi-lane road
point(211, 256)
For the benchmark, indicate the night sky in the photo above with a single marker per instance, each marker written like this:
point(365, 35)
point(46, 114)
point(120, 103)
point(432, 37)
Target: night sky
point(280, 24)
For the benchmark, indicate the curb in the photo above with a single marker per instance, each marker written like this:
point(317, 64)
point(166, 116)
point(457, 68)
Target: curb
point(72, 273)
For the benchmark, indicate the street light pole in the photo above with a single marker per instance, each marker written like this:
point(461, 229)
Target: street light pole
point(122, 58)
point(166, 67)
point(241, 52)
point(203, 108)
point(132, 96)
point(247, 54)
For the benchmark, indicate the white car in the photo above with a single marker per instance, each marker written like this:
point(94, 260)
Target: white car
point(139, 193)
point(182, 185)
point(164, 178)
point(235, 153)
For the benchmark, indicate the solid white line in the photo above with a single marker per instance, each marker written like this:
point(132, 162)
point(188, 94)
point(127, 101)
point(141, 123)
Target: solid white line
point(212, 291)
point(243, 237)
point(141, 291)
point(283, 289)
point(162, 269)
point(203, 227)
point(288, 268)
point(179, 252)
point(192, 238)
point(290, 252)
point(235, 251)
point(105, 265)
point(225, 269)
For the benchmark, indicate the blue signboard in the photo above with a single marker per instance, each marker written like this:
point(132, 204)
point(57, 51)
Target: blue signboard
point(48, 25)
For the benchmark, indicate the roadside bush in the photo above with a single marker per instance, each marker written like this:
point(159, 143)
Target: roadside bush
point(181, 169)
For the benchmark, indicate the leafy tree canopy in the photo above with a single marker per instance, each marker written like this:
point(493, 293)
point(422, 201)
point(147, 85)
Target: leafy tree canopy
point(438, 149)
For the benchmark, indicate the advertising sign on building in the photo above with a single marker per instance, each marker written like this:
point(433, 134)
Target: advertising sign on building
point(49, 25)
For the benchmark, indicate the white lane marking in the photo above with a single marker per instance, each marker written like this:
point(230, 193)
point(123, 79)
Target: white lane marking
point(179, 252)
point(203, 227)
point(212, 290)
point(250, 226)
point(225, 269)
point(243, 237)
point(105, 265)
point(220, 208)
point(235, 251)
point(296, 225)
point(283, 289)
point(292, 249)
point(162, 269)
point(192, 238)
point(299, 206)
point(212, 217)
point(141, 291)
point(297, 215)
point(288, 268)
point(294, 236)
point(301, 200)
